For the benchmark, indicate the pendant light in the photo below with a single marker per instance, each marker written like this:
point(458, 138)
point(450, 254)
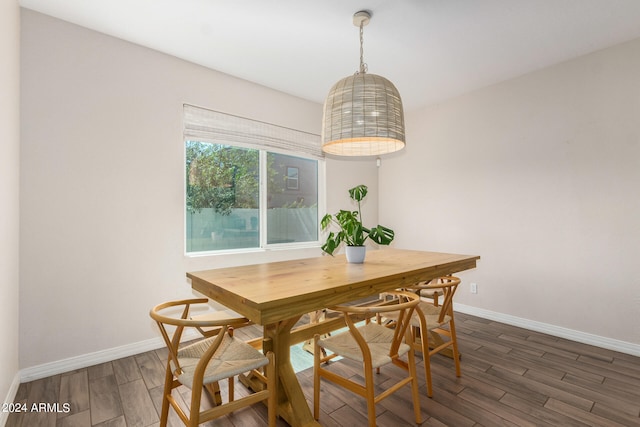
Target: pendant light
point(363, 113)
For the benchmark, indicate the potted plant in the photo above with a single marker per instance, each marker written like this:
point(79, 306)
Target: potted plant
point(351, 231)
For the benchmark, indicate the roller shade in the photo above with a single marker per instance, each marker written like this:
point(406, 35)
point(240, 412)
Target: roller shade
point(201, 124)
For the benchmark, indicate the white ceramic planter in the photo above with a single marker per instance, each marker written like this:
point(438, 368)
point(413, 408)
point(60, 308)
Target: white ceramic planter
point(355, 254)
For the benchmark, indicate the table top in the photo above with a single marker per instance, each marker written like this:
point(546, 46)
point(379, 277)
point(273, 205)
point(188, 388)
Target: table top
point(275, 291)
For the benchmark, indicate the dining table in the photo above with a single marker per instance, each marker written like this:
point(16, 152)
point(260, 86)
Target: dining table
point(277, 294)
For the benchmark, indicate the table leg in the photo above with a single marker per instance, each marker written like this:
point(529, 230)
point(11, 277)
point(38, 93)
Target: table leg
point(214, 392)
point(292, 405)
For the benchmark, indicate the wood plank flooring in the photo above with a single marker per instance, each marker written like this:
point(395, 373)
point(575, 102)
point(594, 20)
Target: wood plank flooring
point(510, 377)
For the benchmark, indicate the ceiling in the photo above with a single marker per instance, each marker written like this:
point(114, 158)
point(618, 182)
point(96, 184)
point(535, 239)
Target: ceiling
point(430, 49)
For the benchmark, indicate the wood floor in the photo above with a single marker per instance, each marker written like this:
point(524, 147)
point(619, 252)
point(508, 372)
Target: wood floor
point(510, 377)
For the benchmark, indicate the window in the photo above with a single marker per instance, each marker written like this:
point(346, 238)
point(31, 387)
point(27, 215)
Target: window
point(292, 178)
point(243, 190)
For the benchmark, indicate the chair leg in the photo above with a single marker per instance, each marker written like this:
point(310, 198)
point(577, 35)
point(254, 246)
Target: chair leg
point(271, 386)
point(426, 357)
point(194, 409)
point(316, 377)
point(414, 386)
point(454, 343)
point(168, 381)
point(232, 389)
point(370, 396)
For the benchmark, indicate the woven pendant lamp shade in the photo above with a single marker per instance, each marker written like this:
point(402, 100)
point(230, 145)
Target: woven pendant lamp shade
point(363, 113)
point(363, 116)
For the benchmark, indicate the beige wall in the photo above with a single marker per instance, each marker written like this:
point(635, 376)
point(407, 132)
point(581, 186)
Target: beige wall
point(540, 176)
point(9, 195)
point(102, 184)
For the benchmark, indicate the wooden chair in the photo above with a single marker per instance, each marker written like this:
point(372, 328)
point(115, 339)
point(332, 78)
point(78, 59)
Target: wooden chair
point(211, 359)
point(373, 345)
point(429, 320)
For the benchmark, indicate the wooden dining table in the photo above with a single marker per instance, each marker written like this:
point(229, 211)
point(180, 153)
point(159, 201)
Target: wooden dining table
point(277, 294)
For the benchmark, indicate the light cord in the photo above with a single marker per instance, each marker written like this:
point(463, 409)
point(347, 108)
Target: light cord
point(363, 66)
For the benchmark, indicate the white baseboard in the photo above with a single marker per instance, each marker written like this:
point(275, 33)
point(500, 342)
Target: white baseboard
point(11, 395)
point(90, 359)
point(557, 331)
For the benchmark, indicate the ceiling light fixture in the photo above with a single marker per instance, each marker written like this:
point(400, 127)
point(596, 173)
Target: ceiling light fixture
point(363, 113)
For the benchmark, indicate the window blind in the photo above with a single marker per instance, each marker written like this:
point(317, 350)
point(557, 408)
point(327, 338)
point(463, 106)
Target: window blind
point(201, 124)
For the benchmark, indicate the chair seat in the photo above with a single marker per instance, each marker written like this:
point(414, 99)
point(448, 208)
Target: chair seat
point(431, 315)
point(379, 339)
point(233, 357)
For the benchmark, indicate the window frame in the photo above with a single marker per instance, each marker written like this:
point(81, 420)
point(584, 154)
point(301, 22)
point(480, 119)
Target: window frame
point(289, 148)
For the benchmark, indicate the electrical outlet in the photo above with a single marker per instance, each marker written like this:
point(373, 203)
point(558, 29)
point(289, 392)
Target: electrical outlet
point(474, 288)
